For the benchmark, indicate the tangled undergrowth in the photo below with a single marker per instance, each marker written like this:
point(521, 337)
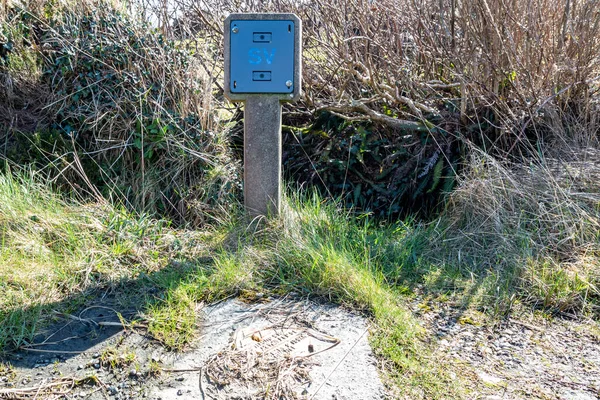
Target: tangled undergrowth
point(114, 109)
point(122, 105)
point(480, 116)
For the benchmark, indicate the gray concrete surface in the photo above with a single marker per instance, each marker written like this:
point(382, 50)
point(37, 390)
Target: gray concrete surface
point(71, 351)
point(262, 155)
point(345, 372)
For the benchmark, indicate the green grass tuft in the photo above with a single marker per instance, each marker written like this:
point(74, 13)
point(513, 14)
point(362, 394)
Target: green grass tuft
point(56, 253)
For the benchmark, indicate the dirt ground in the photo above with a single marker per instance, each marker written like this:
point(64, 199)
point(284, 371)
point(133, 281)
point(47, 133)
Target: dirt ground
point(294, 349)
point(286, 349)
point(518, 358)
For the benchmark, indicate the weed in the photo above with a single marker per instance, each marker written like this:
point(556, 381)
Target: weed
point(7, 371)
point(113, 358)
point(154, 368)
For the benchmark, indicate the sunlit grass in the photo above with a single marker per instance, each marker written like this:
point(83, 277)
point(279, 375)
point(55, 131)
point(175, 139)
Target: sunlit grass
point(56, 253)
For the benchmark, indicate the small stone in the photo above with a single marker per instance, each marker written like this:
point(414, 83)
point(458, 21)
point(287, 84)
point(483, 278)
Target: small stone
point(489, 379)
point(179, 379)
point(80, 367)
point(179, 392)
point(96, 355)
point(113, 390)
point(133, 372)
point(97, 365)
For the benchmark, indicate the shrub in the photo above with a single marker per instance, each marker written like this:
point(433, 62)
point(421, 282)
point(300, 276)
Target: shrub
point(423, 79)
point(371, 168)
point(394, 93)
point(125, 110)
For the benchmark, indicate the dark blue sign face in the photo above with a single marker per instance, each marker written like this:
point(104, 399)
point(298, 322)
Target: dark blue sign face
point(262, 56)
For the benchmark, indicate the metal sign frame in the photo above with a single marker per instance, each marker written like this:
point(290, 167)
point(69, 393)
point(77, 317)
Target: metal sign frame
point(297, 54)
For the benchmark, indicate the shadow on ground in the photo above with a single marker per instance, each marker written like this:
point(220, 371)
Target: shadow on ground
point(83, 320)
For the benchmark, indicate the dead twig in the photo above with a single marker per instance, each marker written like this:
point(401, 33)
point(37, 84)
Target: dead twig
point(89, 321)
point(35, 391)
point(373, 115)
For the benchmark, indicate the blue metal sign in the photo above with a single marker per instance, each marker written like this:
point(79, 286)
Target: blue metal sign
point(262, 56)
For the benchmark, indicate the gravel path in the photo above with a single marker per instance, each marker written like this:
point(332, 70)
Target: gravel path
point(556, 359)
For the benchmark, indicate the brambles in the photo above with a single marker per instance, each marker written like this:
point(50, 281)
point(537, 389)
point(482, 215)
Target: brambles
point(441, 74)
point(126, 113)
point(399, 98)
point(370, 167)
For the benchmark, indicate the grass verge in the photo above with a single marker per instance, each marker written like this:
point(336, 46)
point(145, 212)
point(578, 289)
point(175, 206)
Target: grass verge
point(56, 253)
point(508, 237)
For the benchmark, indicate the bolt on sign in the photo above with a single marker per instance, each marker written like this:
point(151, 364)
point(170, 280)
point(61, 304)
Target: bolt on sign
point(263, 68)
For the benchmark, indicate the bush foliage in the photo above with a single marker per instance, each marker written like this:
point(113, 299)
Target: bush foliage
point(124, 112)
point(395, 93)
point(372, 168)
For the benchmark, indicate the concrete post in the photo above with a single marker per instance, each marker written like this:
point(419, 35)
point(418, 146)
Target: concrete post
point(262, 155)
point(263, 68)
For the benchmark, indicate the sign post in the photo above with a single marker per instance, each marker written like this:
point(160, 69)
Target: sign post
point(263, 68)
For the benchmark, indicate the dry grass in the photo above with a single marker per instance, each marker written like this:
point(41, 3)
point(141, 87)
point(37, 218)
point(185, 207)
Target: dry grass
point(262, 376)
point(114, 109)
point(538, 225)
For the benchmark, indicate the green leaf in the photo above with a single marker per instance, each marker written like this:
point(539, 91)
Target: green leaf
point(437, 174)
point(357, 191)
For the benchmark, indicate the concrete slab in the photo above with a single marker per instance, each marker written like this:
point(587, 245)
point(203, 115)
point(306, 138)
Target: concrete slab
point(342, 371)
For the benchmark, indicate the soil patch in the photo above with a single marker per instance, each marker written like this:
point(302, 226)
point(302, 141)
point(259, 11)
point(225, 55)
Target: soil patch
point(277, 349)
